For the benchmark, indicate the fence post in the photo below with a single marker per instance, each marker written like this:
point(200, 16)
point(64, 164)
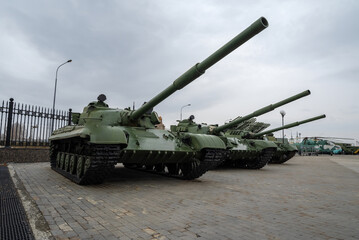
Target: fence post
point(70, 116)
point(9, 121)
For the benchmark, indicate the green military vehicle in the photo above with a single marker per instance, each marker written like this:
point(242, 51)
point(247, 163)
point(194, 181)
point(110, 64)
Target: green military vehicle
point(348, 148)
point(318, 145)
point(285, 151)
point(243, 152)
point(104, 136)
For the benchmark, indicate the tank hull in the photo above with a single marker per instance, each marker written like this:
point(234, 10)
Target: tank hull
point(151, 149)
point(285, 152)
point(249, 153)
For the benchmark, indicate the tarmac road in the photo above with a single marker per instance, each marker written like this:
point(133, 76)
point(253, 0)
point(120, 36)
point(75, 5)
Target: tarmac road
point(306, 198)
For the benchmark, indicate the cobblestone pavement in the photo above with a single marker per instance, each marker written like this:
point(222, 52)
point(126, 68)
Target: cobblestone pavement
point(305, 198)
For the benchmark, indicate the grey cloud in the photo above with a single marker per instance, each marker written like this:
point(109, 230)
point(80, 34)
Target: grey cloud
point(132, 50)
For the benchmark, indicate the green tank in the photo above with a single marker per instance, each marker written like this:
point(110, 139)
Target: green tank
point(246, 125)
point(257, 127)
point(285, 151)
point(244, 153)
point(104, 136)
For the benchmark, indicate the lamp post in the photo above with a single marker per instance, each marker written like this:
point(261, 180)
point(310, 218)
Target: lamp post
point(53, 103)
point(283, 114)
point(187, 105)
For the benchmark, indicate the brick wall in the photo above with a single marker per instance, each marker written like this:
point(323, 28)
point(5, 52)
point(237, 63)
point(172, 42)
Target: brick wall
point(24, 155)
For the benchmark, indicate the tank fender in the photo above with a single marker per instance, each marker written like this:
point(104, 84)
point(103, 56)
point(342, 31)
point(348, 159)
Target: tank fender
point(108, 135)
point(70, 132)
point(290, 147)
point(97, 135)
point(201, 141)
point(263, 144)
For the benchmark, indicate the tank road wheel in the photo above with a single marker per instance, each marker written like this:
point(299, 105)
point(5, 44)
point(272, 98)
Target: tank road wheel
point(67, 162)
point(185, 168)
point(129, 165)
point(80, 167)
point(283, 158)
point(159, 167)
point(73, 164)
point(172, 168)
point(240, 163)
point(260, 161)
point(190, 170)
point(82, 162)
point(62, 161)
point(275, 159)
point(53, 155)
point(140, 166)
point(149, 167)
point(87, 164)
point(58, 159)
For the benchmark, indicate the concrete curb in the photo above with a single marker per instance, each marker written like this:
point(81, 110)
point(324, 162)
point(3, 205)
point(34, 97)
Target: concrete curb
point(38, 224)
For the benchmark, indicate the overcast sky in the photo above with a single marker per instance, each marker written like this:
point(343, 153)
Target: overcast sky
point(132, 50)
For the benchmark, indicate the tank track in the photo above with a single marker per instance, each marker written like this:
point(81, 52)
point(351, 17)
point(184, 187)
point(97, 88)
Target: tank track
point(211, 158)
point(102, 159)
point(258, 162)
point(283, 158)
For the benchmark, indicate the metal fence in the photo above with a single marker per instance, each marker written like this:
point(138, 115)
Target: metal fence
point(27, 125)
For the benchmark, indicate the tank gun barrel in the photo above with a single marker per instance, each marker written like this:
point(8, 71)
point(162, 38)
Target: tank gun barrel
point(198, 69)
point(261, 111)
point(288, 126)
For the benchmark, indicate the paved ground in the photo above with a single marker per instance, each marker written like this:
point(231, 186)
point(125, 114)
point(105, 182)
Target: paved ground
point(306, 198)
point(351, 162)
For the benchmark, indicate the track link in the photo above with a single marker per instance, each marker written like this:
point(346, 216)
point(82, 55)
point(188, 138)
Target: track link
point(97, 162)
point(283, 158)
point(258, 162)
point(210, 159)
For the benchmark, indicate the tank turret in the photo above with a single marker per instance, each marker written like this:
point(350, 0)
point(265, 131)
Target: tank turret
point(260, 112)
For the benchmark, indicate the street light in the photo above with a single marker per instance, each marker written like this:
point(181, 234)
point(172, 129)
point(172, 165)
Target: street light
point(184, 107)
point(283, 114)
point(53, 103)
